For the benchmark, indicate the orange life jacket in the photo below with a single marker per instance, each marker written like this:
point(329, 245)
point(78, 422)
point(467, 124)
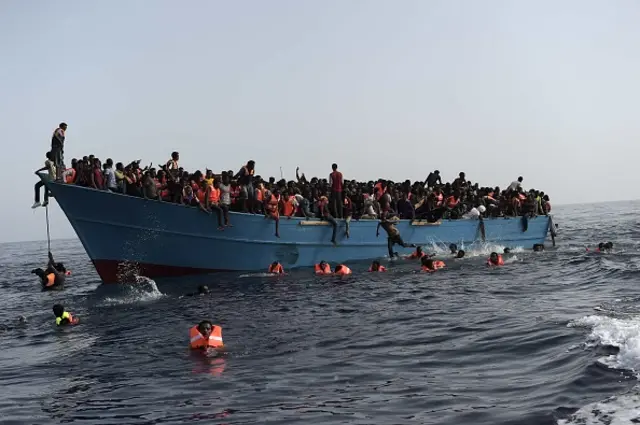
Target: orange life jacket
point(198, 341)
point(322, 270)
point(437, 264)
point(214, 195)
point(380, 269)
point(287, 208)
point(499, 263)
point(277, 268)
point(260, 195)
point(343, 271)
point(51, 279)
point(201, 195)
point(452, 202)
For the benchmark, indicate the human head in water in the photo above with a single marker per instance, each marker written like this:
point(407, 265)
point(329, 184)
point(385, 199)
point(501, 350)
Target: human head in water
point(608, 246)
point(601, 245)
point(419, 250)
point(507, 251)
point(494, 257)
point(453, 248)
point(538, 247)
point(58, 310)
point(375, 266)
point(203, 289)
point(338, 268)
point(205, 328)
point(460, 254)
point(427, 263)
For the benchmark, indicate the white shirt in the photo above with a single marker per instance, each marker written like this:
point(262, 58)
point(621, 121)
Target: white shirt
point(514, 186)
point(110, 178)
point(473, 214)
point(51, 169)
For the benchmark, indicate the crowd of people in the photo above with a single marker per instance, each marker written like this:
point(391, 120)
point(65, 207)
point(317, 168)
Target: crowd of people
point(326, 198)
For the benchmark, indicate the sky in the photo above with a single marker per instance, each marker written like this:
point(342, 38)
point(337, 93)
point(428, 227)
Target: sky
point(394, 89)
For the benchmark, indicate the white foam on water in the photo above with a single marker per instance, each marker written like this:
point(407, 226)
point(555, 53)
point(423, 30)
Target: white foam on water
point(258, 275)
point(618, 410)
point(623, 333)
point(144, 290)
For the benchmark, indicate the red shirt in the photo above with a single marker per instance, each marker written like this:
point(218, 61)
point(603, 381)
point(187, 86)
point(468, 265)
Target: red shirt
point(336, 181)
point(97, 178)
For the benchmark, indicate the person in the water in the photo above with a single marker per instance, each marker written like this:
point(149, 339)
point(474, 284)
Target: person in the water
point(429, 265)
point(202, 290)
point(322, 268)
point(276, 268)
point(393, 236)
point(205, 335)
point(460, 253)
point(342, 270)
point(538, 247)
point(507, 251)
point(453, 248)
point(63, 318)
point(53, 277)
point(377, 267)
point(495, 259)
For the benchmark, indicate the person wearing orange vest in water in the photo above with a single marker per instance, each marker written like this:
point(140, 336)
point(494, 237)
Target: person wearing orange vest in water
point(377, 267)
point(322, 268)
point(54, 276)
point(429, 265)
point(342, 270)
point(495, 259)
point(63, 317)
point(276, 268)
point(417, 253)
point(205, 335)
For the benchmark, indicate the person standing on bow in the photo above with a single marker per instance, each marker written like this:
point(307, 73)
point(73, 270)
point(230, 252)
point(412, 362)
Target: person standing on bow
point(57, 148)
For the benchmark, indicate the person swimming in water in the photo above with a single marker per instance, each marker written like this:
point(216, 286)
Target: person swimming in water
point(205, 335)
point(202, 290)
point(63, 318)
point(460, 253)
point(453, 248)
point(53, 277)
point(495, 259)
point(377, 267)
point(393, 236)
point(430, 265)
point(538, 247)
point(275, 268)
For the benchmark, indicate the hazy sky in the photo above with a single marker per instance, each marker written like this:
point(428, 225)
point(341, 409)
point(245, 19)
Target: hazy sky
point(544, 89)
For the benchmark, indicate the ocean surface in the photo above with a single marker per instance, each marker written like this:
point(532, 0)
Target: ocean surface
point(550, 338)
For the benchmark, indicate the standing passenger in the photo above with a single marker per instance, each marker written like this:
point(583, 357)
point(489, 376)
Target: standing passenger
point(335, 181)
point(57, 147)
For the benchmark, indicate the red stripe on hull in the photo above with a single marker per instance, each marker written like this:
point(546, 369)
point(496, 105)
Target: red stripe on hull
point(112, 271)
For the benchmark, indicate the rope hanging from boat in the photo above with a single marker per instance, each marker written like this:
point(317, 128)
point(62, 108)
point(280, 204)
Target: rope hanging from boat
point(46, 209)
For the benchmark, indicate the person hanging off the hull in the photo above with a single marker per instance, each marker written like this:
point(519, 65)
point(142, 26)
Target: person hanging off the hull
point(53, 277)
point(393, 236)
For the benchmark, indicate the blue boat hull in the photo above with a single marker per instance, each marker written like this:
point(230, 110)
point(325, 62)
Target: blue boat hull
point(124, 234)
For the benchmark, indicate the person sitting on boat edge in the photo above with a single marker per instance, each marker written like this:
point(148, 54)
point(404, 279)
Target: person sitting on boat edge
point(377, 267)
point(63, 318)
point(271, 209)
point(323, 210)
point(495, 259)
point(276, 268)
point(205, 335)
point(322, 268)
point(430, 265)
point(342, 270)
